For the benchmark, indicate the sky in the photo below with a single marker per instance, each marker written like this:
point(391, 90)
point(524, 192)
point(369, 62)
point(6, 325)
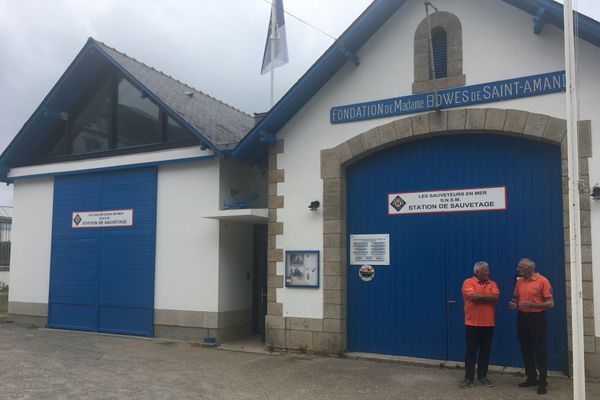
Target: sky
point(215, 46)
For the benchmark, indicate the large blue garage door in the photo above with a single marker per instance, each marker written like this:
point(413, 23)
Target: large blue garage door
point(413, 307)
point(103, 246)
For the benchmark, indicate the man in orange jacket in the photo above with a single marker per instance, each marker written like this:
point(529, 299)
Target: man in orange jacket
point(480, 295)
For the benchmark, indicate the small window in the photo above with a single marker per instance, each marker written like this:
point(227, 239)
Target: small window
point(175, 132)
point(91, 126)
point(138, 118)
point(440, 53)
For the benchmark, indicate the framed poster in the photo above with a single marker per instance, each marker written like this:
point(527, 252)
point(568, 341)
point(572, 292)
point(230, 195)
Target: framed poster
point(302, 268)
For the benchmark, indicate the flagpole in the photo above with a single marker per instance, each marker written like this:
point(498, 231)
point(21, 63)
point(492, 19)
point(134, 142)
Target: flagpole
point(273, 37)
point(574, 211)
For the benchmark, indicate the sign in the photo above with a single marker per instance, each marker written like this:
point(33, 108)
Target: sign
point(527, 86)
point(453, 200)
point(302, 268)
point(366, 273)
point(370, 249)
point(102, 219)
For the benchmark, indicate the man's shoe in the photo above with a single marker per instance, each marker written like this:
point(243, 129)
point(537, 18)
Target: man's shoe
point(466, 383)
point(486, 382)
point(528, 383)
point(542, 388)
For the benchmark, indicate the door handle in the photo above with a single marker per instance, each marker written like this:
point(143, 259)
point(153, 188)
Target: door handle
point(263, 296)
point(451, 301)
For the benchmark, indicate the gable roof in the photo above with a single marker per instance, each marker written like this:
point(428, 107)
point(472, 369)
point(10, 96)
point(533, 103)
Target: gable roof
point(215, 124)
point(254, 146)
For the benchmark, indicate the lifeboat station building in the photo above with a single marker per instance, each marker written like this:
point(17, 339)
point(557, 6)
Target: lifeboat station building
point(343, 220)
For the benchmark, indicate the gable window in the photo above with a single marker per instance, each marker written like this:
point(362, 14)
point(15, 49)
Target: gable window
point(438, 55)
point(90, 129)
point(112, 115)
point(175, 132)
point(138, 119)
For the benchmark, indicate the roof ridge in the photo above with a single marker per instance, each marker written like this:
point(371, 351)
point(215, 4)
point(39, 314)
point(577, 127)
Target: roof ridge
point(169, 76)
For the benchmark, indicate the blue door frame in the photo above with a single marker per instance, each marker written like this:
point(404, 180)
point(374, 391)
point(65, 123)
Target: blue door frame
point(413, 307)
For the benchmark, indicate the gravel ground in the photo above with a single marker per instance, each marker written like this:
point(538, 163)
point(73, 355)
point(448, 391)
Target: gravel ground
point(52, 364)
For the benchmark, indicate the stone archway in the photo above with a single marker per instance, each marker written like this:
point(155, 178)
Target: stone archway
point(477, 120)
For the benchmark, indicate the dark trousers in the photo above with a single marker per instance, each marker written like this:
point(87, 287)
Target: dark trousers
point(531, 328)
point(478, 338)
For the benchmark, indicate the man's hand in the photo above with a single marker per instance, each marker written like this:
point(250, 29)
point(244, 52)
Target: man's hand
point(474, 296)
point(528, 304)
point(512, 305)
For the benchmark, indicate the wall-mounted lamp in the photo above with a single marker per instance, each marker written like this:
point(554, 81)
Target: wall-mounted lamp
point(314, 205)
point(596, 192)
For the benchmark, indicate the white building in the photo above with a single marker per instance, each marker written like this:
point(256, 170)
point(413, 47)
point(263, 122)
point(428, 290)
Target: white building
point(374, 157)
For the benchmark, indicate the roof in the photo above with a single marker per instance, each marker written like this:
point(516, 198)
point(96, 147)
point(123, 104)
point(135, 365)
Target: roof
point(216, 124)
point(219, 123)
point(254, 146)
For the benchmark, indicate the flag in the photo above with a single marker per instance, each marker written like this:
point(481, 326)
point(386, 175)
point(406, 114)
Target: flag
point(276, 40)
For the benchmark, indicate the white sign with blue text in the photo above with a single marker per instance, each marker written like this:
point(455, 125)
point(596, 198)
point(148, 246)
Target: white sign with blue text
point(527, 86)
point(444, 201)
point(102, 219)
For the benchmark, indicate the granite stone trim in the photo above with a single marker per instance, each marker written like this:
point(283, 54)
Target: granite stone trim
point(197, 334)
point(274, 254)
point(472, 120)
point(26, 308)
point(4, 268)
point(423, 81)
point(31, 320)
point(314, 335)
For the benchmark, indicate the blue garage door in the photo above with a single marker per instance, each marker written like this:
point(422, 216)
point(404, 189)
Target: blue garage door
point(102, 278)
point(413, 307)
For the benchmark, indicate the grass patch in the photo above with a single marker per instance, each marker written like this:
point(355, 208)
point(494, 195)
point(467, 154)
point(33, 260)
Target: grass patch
point(3, 303)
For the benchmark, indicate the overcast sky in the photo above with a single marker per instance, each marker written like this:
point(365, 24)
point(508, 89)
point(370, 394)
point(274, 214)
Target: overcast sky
point(214, 45)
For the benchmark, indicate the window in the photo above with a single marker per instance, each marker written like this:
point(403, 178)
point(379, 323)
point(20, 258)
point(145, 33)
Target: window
point(440, 53)
point(175, 132)
point(112, 114)
point(445, 49)
point(90, 129)
point(137, 118)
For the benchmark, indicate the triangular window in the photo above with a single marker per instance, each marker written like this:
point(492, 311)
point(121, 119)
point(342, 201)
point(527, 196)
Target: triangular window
point(138, 118)
point(175, 133)
point(114, 116)
point(90, 129)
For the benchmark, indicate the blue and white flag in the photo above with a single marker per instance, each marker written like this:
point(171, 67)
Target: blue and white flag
point(276, 40)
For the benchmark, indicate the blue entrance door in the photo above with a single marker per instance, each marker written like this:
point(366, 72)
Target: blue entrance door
point(102, 279)
point(413, 306)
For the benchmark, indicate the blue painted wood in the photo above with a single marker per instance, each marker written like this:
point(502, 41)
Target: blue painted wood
point(404, 310)
point(102, 279)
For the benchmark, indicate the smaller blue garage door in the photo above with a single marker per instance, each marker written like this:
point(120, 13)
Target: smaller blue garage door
point(102, 279)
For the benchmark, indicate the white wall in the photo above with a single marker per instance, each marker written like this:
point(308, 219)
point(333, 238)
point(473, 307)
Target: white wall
point(187, 244)
point(235, 266)
point(31, 235)
point(128, 160)
point(498, 43)
point(244, 179)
